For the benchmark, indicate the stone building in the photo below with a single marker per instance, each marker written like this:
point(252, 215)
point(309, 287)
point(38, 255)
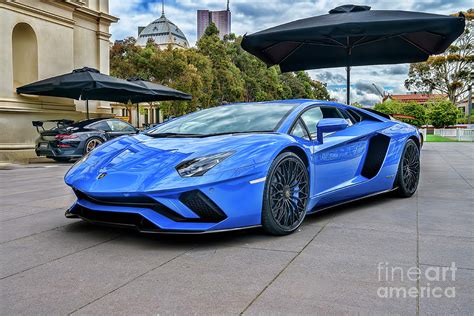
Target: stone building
point(40, 39)
point(163, 32)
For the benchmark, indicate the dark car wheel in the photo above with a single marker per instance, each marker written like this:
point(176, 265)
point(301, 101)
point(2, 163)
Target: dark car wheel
point(92, 143)
point(408, 170)
point(61, 159)
point(285, 195)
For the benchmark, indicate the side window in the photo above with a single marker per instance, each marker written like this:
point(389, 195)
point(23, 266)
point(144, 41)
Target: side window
point(299, 130)
point(311, 117)
point(120, 126)
point(101, 126)
point(350, 120)
point(357, 117)
point(331, 112)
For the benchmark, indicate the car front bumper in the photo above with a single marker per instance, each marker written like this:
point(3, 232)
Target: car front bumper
point(224, 205)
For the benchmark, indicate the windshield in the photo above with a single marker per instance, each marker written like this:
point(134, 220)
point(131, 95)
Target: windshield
point(227, 119)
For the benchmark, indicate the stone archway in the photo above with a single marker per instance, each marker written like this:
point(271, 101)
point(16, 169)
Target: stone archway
point(25, 55)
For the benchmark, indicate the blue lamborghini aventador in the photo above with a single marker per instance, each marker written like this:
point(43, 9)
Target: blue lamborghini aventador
point(243, 165)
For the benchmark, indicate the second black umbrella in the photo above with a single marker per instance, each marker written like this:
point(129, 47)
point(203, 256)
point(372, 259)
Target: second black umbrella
point(352, 35)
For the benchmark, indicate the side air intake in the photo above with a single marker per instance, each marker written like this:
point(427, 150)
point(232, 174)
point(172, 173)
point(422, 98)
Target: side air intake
point(378, 146)
point(203, 206)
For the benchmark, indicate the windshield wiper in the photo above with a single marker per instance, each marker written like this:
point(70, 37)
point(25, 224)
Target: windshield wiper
point(181, 135)
point(169, 135)
point(240, 132)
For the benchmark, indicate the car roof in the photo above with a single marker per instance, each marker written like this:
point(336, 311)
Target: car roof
point(279, 102)
point(84, 123)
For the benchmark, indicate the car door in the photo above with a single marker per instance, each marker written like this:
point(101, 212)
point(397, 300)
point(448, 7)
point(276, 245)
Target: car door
point(119, 128)
point(338, 159)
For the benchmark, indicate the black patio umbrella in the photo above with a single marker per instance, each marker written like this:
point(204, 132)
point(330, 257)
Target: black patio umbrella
point(353, 35)
point(87, 84)
point(160, 93)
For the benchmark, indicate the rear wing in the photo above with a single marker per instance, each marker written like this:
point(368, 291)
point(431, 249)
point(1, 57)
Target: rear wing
point(63, 123)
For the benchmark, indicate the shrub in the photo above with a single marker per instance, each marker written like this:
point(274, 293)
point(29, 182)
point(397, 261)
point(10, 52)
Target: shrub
point(442, 114)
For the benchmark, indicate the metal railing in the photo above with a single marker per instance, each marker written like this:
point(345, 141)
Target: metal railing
point(460, 134)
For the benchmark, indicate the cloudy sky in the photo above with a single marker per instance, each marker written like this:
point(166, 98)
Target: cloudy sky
point(249, 16)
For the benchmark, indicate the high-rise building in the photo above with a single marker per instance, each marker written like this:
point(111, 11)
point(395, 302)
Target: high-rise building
point(222, 19)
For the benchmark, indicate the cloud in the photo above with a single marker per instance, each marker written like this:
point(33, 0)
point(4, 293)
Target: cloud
point(328, 77)
point(391, 70)
point(249, 16)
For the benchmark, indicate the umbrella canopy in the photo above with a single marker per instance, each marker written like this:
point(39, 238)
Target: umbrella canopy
point(160, 93)
point(86, 84)
point(352, 35)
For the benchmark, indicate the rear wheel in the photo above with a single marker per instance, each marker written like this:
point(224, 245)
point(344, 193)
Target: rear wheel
point(91, 144)
point(408, 170)
point(285, 195)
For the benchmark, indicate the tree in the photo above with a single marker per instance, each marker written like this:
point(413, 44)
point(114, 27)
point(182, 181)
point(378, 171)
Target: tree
point(389, 107)
point(320, 90)
point(442, 114)
point(449, 73)
point(215, 72)
point(260, 82)
point(227, 83)
point(415, 110)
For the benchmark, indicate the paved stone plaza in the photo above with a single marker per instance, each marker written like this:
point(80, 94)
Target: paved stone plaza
point(336, 263)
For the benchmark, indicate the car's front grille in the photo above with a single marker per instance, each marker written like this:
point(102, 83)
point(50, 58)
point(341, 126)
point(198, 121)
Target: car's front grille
point(134, 201)
point(206, 210)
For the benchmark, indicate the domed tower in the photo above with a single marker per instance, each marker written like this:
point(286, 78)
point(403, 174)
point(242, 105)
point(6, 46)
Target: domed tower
point(163, 32)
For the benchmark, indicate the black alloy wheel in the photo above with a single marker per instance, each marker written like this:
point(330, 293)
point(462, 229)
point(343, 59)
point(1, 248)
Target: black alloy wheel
point(409, 170)
point(286, 195)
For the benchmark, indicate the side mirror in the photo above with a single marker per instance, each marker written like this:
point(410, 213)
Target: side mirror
point(329, 125)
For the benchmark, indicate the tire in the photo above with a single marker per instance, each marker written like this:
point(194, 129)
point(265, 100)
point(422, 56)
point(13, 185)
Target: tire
point(285, 195)
point(408, 174)
point(91, 144)
point(61, 159)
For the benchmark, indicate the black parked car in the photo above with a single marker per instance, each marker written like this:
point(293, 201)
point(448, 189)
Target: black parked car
point(68, 140)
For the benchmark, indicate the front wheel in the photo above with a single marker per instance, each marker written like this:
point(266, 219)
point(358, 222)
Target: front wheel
point(408, 174)
point(286, 195)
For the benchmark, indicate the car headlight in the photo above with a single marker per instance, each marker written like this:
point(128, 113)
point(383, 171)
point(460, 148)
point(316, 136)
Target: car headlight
point(198, 166)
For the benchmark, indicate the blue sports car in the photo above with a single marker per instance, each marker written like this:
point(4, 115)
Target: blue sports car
point(243, 165)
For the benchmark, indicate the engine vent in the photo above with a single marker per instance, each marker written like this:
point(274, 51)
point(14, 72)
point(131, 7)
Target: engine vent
point(378, 146)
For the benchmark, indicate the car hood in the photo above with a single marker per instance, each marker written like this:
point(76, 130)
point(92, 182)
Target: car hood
point(142, 163)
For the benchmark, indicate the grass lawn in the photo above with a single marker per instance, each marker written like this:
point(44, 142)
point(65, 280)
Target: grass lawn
point(438, 139)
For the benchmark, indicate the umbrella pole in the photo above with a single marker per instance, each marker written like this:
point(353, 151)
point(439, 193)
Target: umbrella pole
point(348, 85)
point(138, 115)
point(87, 108)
